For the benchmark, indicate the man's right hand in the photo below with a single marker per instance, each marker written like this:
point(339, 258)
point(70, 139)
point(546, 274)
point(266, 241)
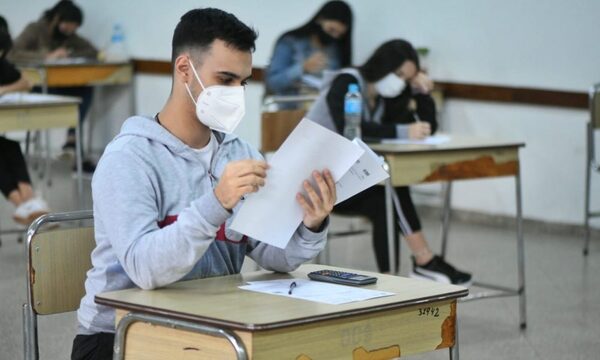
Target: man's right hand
point(238, 179)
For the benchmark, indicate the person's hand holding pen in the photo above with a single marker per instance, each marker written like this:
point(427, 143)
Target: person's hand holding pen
point(418, 130)
point(315, 63)
point(58, 53)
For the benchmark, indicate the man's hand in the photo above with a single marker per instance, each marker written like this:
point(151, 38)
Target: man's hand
point(317, 207)
point(419, 130)
point(421, 83)
point(240, 178)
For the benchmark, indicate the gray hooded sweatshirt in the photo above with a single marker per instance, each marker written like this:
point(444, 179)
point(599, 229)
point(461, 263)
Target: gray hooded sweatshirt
point(157, 220)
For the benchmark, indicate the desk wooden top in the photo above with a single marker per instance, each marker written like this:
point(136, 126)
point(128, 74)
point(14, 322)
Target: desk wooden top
point(29, 101)
point(218, 300)
point(74, 63)
point(456, 143)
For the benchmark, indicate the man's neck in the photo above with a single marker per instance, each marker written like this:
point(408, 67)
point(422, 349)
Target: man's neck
point(184, 124)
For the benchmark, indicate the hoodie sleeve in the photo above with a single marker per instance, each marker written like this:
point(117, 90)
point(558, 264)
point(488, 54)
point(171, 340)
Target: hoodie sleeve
point(125, 211)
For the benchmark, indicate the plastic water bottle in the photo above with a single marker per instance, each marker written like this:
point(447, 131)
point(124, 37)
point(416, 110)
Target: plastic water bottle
point(352, 112)
point(116, 50)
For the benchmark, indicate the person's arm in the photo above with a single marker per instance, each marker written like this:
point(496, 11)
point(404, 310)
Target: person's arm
point(283, 71)
point(27, 47)
point(20, 85)
point(125, 206)
point(304, 246)
point(426, 110)
point(335, 102)
point(80, 47)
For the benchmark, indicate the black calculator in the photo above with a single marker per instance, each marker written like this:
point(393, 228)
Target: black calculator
point(341, 277)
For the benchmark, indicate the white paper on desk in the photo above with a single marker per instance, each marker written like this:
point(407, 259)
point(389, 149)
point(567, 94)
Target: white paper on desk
point(28, 98)
point(366, 172)
point(273, 214)
point(333, 294)
point(430, 140)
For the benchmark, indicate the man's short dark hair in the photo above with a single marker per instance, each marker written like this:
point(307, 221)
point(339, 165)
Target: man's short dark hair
point(198, 28)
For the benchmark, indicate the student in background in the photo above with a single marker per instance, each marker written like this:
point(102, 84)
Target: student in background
point(53, 38)
point(303, 54)
point(167, 186)
point(389, 81)
point(15, 182)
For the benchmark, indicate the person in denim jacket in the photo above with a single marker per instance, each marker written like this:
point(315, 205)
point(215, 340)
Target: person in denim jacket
point(302, 55)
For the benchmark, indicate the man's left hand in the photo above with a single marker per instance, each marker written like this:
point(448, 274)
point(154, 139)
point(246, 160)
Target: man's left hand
point(318, 205)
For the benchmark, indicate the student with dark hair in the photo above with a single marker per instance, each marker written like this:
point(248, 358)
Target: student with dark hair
point(389, 81)
point(15, 182)
point(167, 186)
point(52, 38)
point(301, 55)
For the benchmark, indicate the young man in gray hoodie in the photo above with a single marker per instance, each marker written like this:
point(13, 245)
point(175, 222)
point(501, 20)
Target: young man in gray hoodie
point(167, 186)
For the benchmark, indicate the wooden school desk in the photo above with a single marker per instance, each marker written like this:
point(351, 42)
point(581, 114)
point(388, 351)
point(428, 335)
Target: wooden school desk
point(250, 325)
point(459, 159)
point(24, 111)
point(74, 72)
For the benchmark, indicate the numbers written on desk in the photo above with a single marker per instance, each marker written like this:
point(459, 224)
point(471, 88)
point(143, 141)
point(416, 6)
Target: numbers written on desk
point(429, 311)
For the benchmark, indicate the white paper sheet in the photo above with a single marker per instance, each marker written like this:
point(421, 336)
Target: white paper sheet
point(430, 140)
point(327, 293)
point(366, 172)
point(273, 214)
point(28, 98)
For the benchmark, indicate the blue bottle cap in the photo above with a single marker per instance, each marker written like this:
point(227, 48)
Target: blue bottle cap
point(352, 87)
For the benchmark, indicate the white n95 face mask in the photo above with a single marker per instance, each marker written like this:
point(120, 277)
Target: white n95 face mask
point(390, 85)
point(219, 107)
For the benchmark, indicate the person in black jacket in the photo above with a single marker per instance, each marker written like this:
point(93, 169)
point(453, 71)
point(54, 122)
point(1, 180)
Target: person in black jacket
point(396, 104)
point(15, 182)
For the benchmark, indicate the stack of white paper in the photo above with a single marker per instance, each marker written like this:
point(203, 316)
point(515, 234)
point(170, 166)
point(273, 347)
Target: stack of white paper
point(315, 291)
point(273, 214)
point(430, 140)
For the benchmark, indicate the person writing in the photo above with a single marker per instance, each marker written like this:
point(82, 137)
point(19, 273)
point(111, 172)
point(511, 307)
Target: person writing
point(54, 38)
point(389, 81)
point(302, 55)
point(167, 186)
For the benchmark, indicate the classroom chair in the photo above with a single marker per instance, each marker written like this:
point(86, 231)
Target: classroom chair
point(275, 128)
point(591, 164)
point(57, 262)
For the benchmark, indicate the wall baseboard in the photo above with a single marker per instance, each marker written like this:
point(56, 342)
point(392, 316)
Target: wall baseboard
point(475, 217)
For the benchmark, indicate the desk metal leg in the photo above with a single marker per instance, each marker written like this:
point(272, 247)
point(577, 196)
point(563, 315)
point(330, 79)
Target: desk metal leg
point(78, 161)
point(446, 216)
point(588, 169)
point(389, 212)
point(127, 320)
point(520, 254)
point(47, 171)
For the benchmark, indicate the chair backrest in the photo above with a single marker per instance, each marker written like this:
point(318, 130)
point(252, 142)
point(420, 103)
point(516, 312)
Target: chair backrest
point(276, 126)
point(595, 106)
point(58, 262)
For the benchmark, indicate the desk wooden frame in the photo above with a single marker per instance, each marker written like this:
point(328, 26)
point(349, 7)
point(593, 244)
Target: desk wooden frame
point(162, 323)
point(461, 158)
point(57, 112)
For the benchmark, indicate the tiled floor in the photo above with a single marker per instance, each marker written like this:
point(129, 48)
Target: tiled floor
point(563, 289)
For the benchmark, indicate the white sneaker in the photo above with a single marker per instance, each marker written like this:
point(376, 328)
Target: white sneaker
point(30, 210)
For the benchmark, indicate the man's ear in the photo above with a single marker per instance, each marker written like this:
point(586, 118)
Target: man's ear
point(182, 67)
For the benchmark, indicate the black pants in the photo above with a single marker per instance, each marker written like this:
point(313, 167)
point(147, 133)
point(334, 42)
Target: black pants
point(371, 203)
point(93, 347)
point(13, 168)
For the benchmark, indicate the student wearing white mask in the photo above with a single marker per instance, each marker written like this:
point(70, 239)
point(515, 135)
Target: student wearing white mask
point(167, 187)
point(396, 104)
